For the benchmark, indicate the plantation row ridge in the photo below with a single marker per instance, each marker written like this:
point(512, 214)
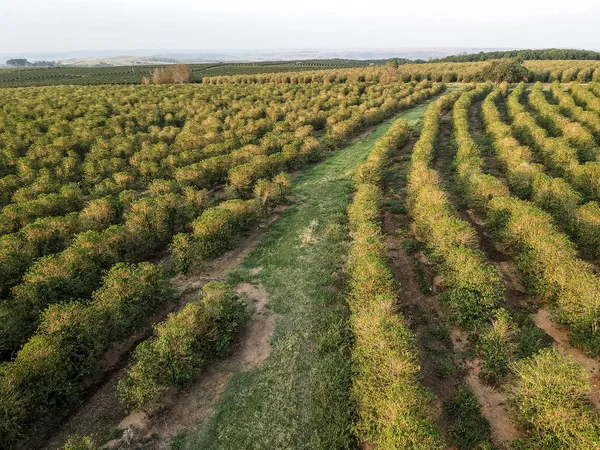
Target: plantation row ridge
point(337, 253)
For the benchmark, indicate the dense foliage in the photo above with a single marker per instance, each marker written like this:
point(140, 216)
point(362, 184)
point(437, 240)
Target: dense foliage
point(120, 190)
point(498, 71)
point(550, 397)
point(48, 371)
point(474, 287)
point(94, 181)
point(549, 392)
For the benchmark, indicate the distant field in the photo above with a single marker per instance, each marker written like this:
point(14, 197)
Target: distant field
point(51, 76)
point(307, 71)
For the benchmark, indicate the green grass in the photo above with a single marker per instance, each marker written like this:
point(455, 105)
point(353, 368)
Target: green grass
point(469, 429)
point(414, 116)
point(299, 398)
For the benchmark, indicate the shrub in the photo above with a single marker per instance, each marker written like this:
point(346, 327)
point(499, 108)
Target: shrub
point(469, 429)
point(181, 346)
point(568, 106)
point(80, 443)
point(497, 347)
point(554, 195)
point(550, 397)
point(174, 74)
point(47, 373)
point(17, 215)
point(271, 193)
point(557, 197)
point(214, 232)
point(542, 255)
point(100, 213)
point(586, 226)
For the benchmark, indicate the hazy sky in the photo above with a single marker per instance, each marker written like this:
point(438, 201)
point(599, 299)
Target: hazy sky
point(65, 25)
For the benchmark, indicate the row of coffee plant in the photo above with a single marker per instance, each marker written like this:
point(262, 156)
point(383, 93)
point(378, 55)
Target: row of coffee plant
point(181, 346)
point(558, 155)
point(393, 408)
point(148, 226)
point(528, 181)
point(474, 287)
point(49, 372)
point(535, 405)
point(571, 109)
point(559, 125)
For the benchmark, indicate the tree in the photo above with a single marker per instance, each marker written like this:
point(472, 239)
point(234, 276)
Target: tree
point(175, 74)
point(18, 62)
point(509, 70)
point(181, 73)
point(161, 76)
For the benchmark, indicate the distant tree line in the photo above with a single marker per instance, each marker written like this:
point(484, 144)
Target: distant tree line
point(547, 54)
point(22, 62)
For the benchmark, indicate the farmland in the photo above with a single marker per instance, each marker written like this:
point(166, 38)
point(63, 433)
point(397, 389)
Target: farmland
point(388, 257)
point(51, 76)
point(582, 70)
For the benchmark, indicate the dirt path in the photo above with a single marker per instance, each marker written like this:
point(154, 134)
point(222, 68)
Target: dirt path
point(101, 413)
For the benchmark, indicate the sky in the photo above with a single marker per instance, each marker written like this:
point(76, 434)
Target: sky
point(122, 25)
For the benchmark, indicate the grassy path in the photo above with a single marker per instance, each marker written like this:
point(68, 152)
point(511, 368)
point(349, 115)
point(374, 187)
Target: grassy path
point(299, 397)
